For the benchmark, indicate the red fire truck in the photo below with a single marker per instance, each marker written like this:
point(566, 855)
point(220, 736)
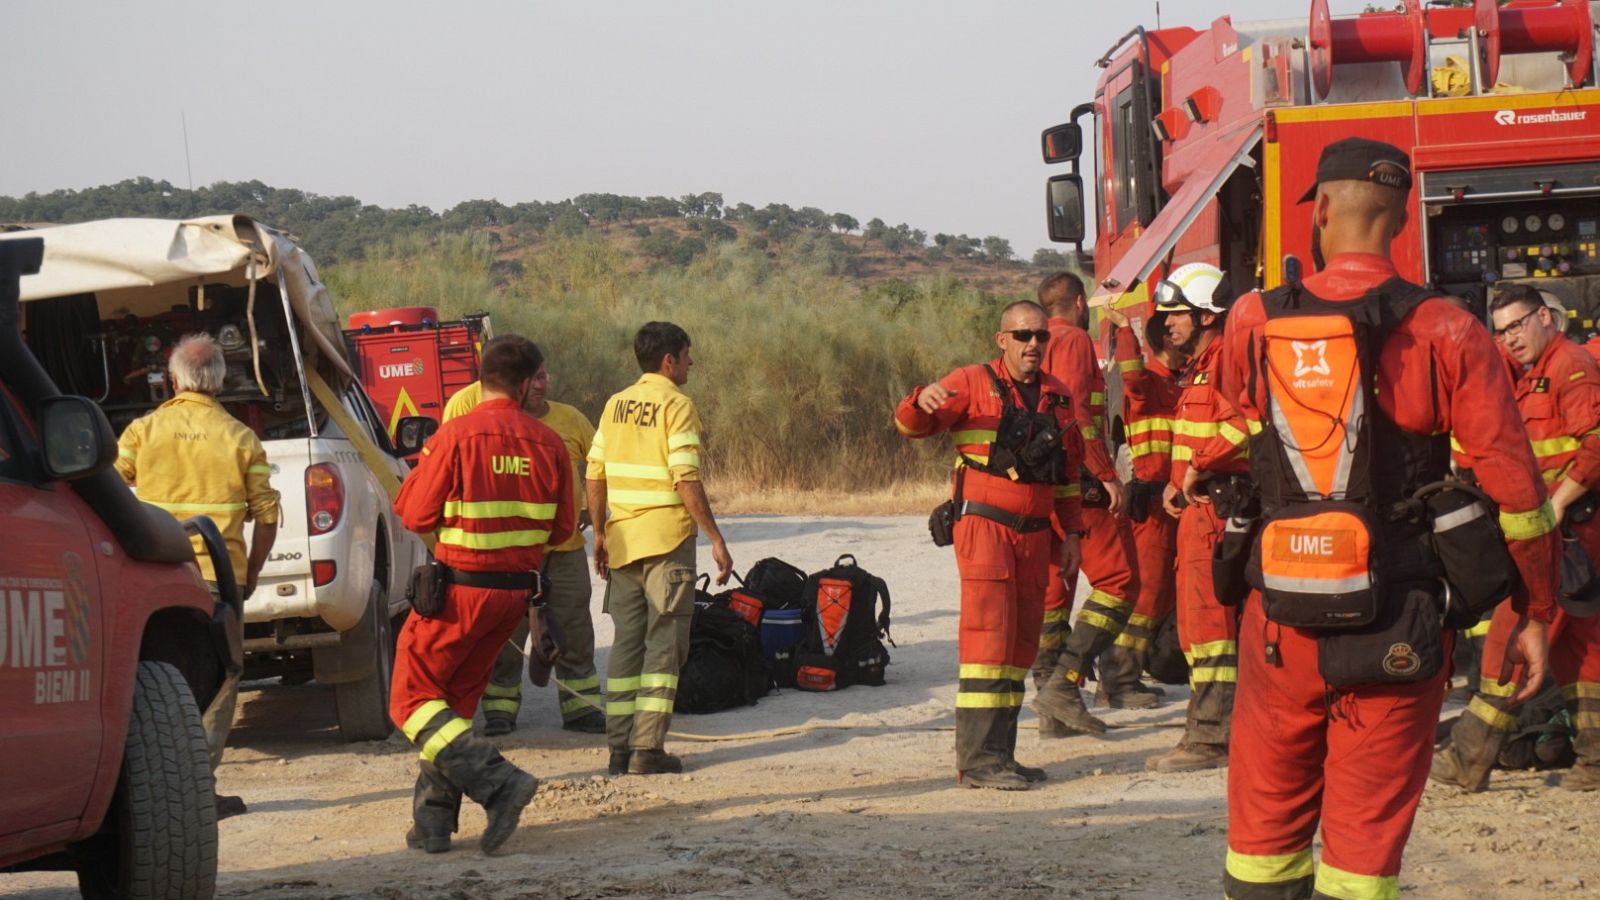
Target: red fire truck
point(410, 362)
point(1203, 140)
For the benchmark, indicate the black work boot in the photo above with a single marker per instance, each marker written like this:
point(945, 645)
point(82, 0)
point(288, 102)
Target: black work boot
point(1031, 774)
point(591, 722)
point(1120, 687)
point(654, 762)
point(502, 789)
point(496, 725)
point(998, 777)
point(1062, 700)
point(618, 763)
point(435, 811)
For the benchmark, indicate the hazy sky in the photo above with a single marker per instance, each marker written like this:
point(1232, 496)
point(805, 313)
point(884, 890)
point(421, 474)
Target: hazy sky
point(921, 111)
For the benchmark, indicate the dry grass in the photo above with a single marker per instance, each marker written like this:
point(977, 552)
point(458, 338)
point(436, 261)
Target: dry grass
point(906, 499)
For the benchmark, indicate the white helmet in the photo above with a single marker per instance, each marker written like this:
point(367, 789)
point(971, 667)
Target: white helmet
point(1190, 288)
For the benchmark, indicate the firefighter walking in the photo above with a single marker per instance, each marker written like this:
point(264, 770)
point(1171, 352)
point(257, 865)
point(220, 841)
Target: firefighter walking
point(1108, 554)
point(496, 484)
point(567, 588)
point(1016, 482)
point(1350, 383)
point(644, 470)
point(1191, 299)
point(1558, 392)
point(1149, 405)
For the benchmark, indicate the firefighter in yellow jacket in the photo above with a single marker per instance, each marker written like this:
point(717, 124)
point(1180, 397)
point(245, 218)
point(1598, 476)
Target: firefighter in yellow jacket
point(644, 490)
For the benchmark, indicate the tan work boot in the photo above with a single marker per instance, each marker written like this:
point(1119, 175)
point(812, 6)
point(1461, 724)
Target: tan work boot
point(1581, 777)
point(1448, 769)
point(1062, 700)
point(1187, 757)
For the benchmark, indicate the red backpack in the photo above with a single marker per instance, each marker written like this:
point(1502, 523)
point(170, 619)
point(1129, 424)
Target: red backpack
point(844, 629)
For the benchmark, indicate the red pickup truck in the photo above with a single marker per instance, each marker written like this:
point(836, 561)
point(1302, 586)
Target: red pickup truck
point(111, 645)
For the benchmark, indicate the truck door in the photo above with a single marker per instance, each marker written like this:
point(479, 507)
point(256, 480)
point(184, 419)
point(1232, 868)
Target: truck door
point(51, 640)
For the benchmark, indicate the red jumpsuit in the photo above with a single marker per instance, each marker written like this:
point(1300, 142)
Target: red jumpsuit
point(1108, 548)
point(1003, 570)
point(1559, 396)
point(496, 483)
point(1149, 404)
point(1208, 632)
point(1357, 759)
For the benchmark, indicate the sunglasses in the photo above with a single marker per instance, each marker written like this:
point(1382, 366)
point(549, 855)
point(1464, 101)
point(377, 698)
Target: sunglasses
point(1024, 335)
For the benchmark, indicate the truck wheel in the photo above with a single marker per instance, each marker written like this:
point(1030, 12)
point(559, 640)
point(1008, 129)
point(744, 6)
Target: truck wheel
point(160, 835)
point(364, 703)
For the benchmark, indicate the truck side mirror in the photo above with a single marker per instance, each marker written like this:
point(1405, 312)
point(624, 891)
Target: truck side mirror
point(411, 433)
point(1064, 204)
point(78, 441)
point(1062, 142)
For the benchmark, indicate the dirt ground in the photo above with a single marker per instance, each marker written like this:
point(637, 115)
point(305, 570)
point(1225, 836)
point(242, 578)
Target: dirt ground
point(854, 796)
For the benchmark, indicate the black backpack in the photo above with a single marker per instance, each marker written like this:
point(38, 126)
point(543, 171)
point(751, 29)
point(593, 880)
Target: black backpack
point(844, 631)
point(778, 582)
point(725, 667)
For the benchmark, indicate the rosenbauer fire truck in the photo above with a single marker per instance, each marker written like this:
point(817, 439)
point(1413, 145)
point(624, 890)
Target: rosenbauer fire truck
point(1203, 141)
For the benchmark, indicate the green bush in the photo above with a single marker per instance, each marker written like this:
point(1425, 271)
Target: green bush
point(797, 371)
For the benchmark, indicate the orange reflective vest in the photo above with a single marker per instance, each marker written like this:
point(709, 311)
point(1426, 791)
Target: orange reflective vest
point(1150, 393)
point(496, 483)
point(971, 417)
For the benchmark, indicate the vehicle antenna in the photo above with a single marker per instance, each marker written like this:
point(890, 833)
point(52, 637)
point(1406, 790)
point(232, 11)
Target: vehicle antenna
point(187, 165)
point(1158, 15)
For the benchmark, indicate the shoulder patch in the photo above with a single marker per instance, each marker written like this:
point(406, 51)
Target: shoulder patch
point(1201, 378)
point(1541, 385)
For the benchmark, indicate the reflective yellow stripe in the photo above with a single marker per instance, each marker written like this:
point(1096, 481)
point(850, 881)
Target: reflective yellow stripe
point(1196, 429)
point(502, 690)
point(1097, 398)
point(259, 470)
point(427, 451)
point(995, 673)
point(1135, 620)
point(1498, 720)
point(1110, 601)
point(1089, 617)
point(1254, 425)
point(1479, 630)
point(1126, 639)
point(1493, 688)
point(576, 704)
point(684, 458)
point(620, 708)
point(421, 717)
point(654, 705)
point(1212, 649)
point(125, 453)
point(1333, 882)
point(1130, 365)
point(1555, 445)
point(583, 685)
point(1064, 491)
point(973, 436)
point(1182, 453)
point(1231, 434)
point(498, 509)
point(1090, 432)
point(1051, 641)
point(198, 507)
point(987, 700)
point(1551, 476)
point(1583, 690)
point(1269, 869)
point(505, 706)
point(613, 685)
point(635, 470)
point(597, 453)
point(1524, 526)
point(1212, 674)
point(683, 439)
point(905, 429)
point(1148, 447)
point(645, 498)
point(1148, 424)
point(1055, 616)
point(495, 540)
point(1586, 721)
point(442, 738)
point(657, 680)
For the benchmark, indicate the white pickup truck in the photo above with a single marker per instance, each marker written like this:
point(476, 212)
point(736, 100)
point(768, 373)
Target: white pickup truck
point(107, 305)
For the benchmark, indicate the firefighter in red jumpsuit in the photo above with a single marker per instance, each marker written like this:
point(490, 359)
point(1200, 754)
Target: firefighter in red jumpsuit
point(1559, 395)
point(1192, 298)
point(1016, 492)
point(1065, 653)
point(1149, 403)
point(496, 484)
point(1356, 758)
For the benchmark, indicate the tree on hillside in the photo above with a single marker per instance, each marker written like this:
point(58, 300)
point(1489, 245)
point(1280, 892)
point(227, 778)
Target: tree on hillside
point(997, 248)
point(875, 230)
point(738, 212)
point(717, 230)
point(663, 207)
point(659, 243)
point(919, 237)
point(845, 222)
point(1045, 258)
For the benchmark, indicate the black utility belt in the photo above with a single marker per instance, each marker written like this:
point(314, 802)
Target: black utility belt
point(1011, 520)
point(499, 581)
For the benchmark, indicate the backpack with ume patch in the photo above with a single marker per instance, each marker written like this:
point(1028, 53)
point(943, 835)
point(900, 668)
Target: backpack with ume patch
point(844, 630)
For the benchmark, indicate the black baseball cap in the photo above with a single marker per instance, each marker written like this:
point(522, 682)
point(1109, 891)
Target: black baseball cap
point(1361, 159)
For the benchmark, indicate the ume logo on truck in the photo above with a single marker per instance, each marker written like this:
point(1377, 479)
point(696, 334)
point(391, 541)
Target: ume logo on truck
point(401, 370)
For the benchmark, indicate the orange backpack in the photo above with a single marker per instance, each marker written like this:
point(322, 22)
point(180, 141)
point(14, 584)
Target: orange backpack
point(845, 631)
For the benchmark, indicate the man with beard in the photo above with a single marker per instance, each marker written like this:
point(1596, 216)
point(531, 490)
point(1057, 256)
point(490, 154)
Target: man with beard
point(1016, 495)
